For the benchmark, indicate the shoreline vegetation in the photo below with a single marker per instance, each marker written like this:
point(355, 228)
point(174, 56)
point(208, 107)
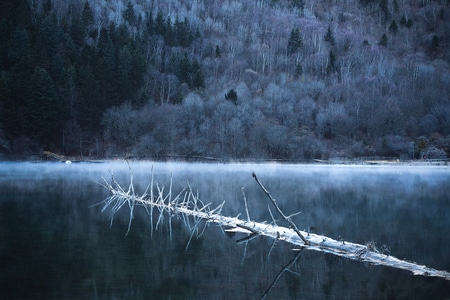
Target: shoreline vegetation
point(47, 156)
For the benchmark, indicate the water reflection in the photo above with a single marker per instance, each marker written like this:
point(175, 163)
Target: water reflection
point(54, 246)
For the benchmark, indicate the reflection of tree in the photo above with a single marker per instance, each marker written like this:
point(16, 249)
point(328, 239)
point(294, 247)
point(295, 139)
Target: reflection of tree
point(282, 271)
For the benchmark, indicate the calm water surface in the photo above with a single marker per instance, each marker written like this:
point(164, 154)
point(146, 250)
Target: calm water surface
point(54, 245)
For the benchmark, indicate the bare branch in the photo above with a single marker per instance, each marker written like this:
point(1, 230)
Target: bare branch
point(274, 202)
point(245, 202)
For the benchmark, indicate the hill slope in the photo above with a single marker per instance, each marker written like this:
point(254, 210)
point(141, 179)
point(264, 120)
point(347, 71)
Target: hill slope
point(226, 79)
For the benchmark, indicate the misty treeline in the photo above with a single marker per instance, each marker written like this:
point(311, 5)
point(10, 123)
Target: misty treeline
point(225, 79)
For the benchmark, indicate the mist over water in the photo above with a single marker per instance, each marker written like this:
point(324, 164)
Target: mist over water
point(54, 245)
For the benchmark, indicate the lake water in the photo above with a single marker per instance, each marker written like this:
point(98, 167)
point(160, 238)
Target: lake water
point(54, 245)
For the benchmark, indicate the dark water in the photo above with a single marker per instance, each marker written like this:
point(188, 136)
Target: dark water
point(54, 246)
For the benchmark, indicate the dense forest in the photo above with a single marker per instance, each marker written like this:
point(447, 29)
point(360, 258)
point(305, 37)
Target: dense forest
point(225, 80)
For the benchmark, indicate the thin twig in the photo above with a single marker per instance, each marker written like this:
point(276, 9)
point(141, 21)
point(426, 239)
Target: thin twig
point(274, 202)
point(245, 203)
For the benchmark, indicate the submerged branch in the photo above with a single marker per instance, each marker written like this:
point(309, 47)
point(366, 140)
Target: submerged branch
point(192, 211)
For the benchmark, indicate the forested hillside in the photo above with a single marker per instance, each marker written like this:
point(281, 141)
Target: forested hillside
point(268, 79)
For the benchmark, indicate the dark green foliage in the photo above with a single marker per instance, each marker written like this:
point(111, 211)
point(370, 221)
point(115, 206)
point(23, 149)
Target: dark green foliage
point(175, 34)
point(295, 41)
point(299, 4)
point(231, 96)
point(160, 24)
point(367, 2)
point(19, 49)
point(393, 28)
point(434, 46)
point(198, 80)
point(187, 71)
point(331, 67)
point(384, 40)
point(395, 4)
point(43, 112)
point(149, 25)
point(329, 36)
point(129, 14)
point(384, 9)
point(77, 33)
point(298, 70)
point(87, 17)
point(218, 52)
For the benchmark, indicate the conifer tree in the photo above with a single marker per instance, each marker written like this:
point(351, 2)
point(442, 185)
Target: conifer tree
point(295, 41)
point(393, 28)
point(299, 4)
point(331, 67)
point(434, 47)
point(160, 24)
point(218, 52)
point(329, 36)
point(44, 114)
point(384, 40)
point(129, 14)
point(198, 80)
point(231, 96)
point(149, 25)
point(124, 72)
point(298, 70)
point(87, 17)
point(384, 9)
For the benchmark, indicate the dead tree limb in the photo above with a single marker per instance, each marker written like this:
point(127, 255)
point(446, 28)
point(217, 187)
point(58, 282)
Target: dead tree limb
point(274, 202)
point(191, 210)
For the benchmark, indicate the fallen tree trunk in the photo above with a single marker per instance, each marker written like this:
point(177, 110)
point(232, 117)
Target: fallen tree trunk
point(193, 212)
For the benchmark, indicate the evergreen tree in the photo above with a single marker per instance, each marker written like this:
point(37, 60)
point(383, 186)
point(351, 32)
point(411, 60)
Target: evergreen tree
point(77, 33)
point(49, 36)
point(198, 80)
point(298, 70)
point(21, 68)
point(184, 71)
point(393, 28)
point(331, 67)
point(299, 4)
point(231, 96)
point(138, 68)
point(9, 109)
point(396, 7)
point(160, 24)
point(124, 73)
point(329, 36)
point(384, 40)
point(129, 14)
point(295, 41)
point(149, 25)
point(435, 46)
point(218, 52)
point(384, 9)
point(106, 69)
point(19, 48)
point(87, 109)
point(87, 16)
point(403, 21)
point(169, 36)
point(43, 110)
